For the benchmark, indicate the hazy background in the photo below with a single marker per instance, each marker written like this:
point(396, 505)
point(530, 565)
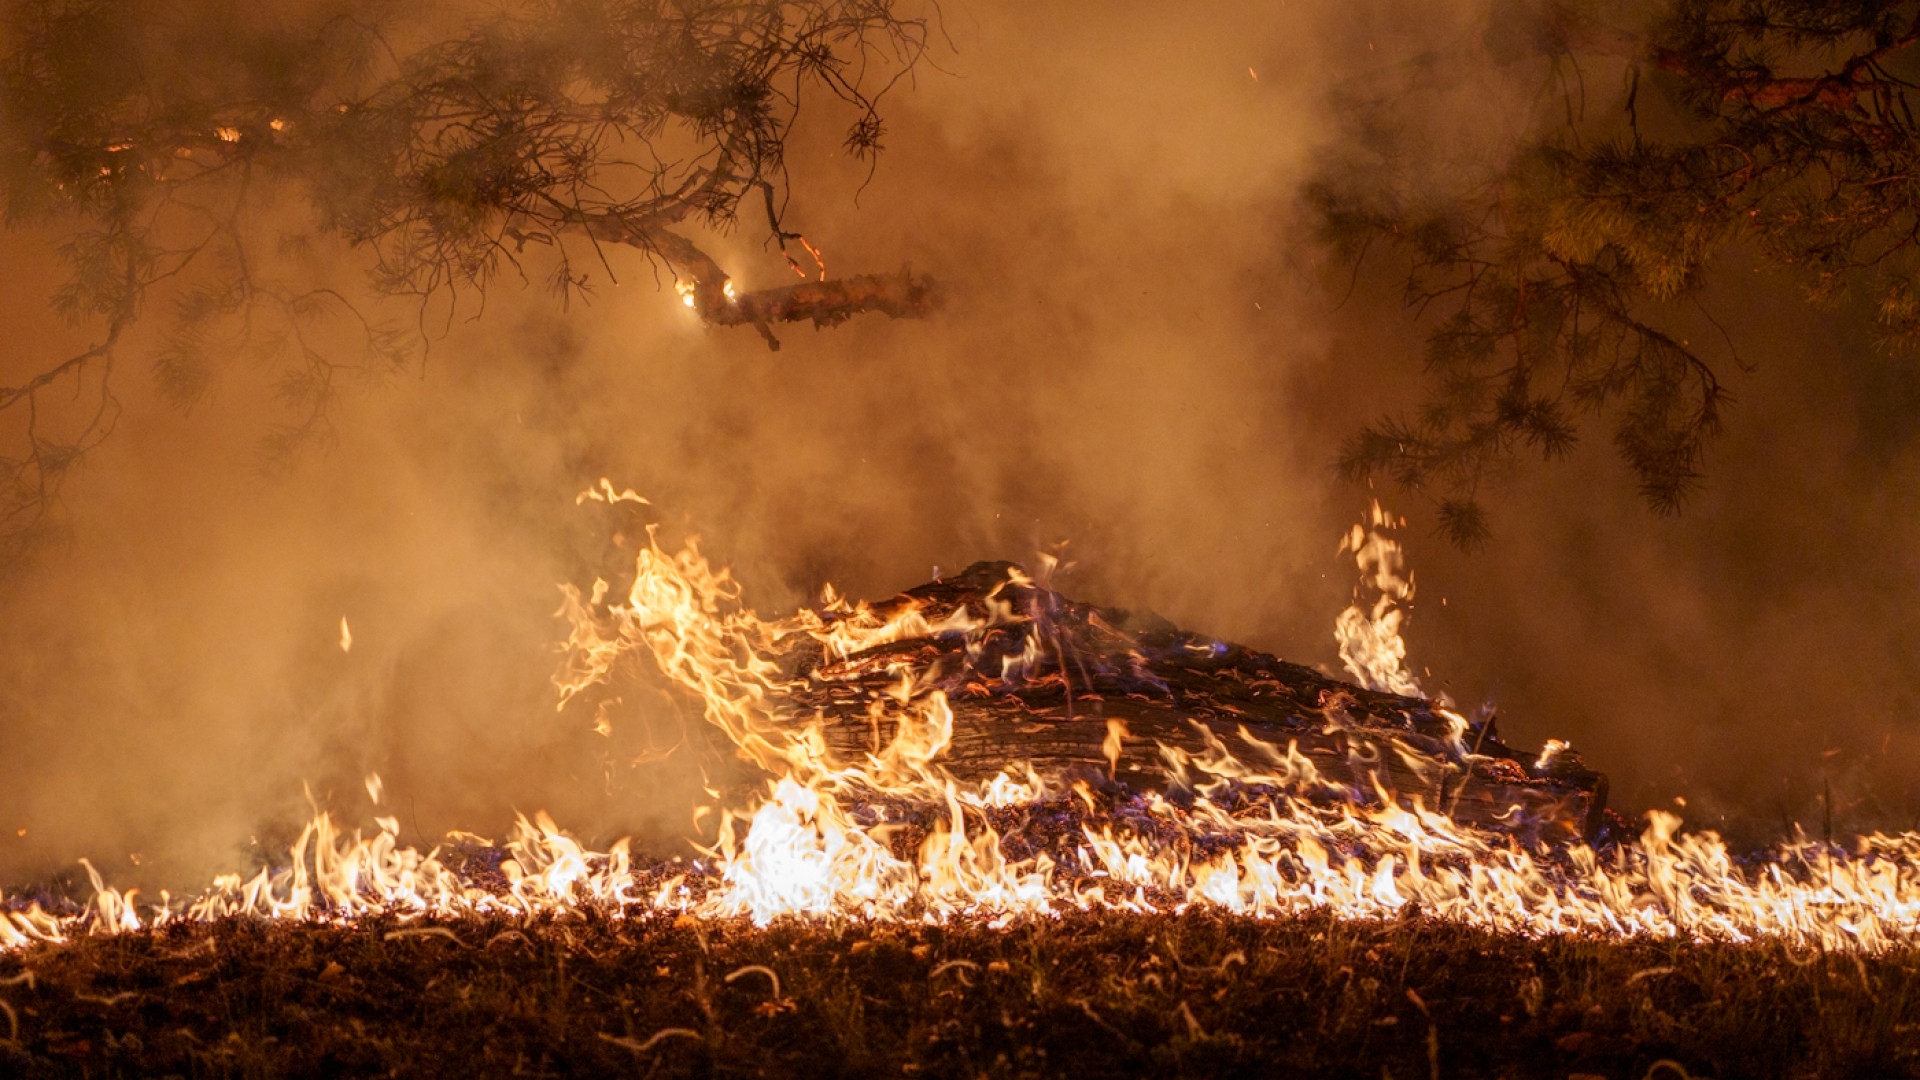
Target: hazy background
point(1141, 356)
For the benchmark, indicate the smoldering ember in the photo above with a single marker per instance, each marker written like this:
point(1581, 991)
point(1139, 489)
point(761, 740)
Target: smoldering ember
point(345, 334)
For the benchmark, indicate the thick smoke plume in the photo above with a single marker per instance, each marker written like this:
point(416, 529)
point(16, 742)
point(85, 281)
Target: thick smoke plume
point(1141, 357)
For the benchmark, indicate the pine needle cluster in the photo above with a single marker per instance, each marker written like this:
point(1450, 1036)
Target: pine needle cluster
point(1557, 283)
point(217, 157)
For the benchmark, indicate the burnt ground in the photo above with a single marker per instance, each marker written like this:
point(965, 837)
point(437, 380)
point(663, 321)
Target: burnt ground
point(1190, 995)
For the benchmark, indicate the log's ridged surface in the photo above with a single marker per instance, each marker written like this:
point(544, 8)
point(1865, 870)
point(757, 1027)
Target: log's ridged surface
point(1042, 683)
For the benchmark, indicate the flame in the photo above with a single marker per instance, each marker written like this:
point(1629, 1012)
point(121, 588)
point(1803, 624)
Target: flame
point(1110, 747)
point(818, 260)
point(1371, 648)
point(1248, 828)
point(809, 848)
point(686, 289)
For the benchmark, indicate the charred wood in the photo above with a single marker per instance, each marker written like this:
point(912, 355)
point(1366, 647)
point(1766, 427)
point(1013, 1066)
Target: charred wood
point(1103, 695)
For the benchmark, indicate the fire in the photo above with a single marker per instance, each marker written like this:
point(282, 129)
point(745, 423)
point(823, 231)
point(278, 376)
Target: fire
point(1371, 647)
point(1245, 826)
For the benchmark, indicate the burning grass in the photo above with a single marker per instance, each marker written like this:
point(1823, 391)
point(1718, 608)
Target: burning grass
point(1198, 994)
point(1002, 833)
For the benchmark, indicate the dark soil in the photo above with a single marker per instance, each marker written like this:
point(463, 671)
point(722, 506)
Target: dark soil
point(1084, 996)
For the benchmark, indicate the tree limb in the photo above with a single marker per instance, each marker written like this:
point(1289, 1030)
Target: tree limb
point(708, 290)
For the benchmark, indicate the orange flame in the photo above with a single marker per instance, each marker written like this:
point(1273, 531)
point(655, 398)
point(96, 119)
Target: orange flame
point(825, 838)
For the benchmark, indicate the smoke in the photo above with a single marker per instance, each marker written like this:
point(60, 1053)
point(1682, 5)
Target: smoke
point(1139, 358)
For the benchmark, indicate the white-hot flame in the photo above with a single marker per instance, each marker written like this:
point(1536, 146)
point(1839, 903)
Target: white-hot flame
point(895, 836)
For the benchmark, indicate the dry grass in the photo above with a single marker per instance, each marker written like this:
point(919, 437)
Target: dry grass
point(1192, 995)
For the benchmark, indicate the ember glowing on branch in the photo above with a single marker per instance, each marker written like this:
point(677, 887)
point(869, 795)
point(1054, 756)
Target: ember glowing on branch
point(1377, 803)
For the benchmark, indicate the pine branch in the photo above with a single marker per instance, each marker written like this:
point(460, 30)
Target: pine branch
point(134, 123)
point(1553, 282)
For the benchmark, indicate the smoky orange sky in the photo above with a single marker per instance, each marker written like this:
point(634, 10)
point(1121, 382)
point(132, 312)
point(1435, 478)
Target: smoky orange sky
point(1143, 355)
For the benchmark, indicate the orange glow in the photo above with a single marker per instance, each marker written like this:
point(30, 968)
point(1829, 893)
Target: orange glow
point(1251, 834)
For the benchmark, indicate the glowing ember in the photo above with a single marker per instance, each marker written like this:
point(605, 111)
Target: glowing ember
point(897, 830)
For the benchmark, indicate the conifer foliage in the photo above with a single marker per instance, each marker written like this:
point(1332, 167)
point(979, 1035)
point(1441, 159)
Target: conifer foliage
point(182, 147)
point(1782, 127)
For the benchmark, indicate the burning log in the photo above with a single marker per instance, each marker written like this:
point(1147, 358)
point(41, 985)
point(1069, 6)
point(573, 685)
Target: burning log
point(1126, 699)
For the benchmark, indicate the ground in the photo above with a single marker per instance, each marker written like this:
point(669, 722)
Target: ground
point(1188, 995)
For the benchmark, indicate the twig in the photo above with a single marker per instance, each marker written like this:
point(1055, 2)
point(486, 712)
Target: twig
point(425, 931)
point(762, 969)
point(643, 1047)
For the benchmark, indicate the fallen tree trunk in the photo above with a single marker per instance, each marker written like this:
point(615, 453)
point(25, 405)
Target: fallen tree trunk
point(1096, 693)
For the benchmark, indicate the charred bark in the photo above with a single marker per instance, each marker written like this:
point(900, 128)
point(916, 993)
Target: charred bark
point(829, 303)
point(706, 286)
point(1051, 682)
